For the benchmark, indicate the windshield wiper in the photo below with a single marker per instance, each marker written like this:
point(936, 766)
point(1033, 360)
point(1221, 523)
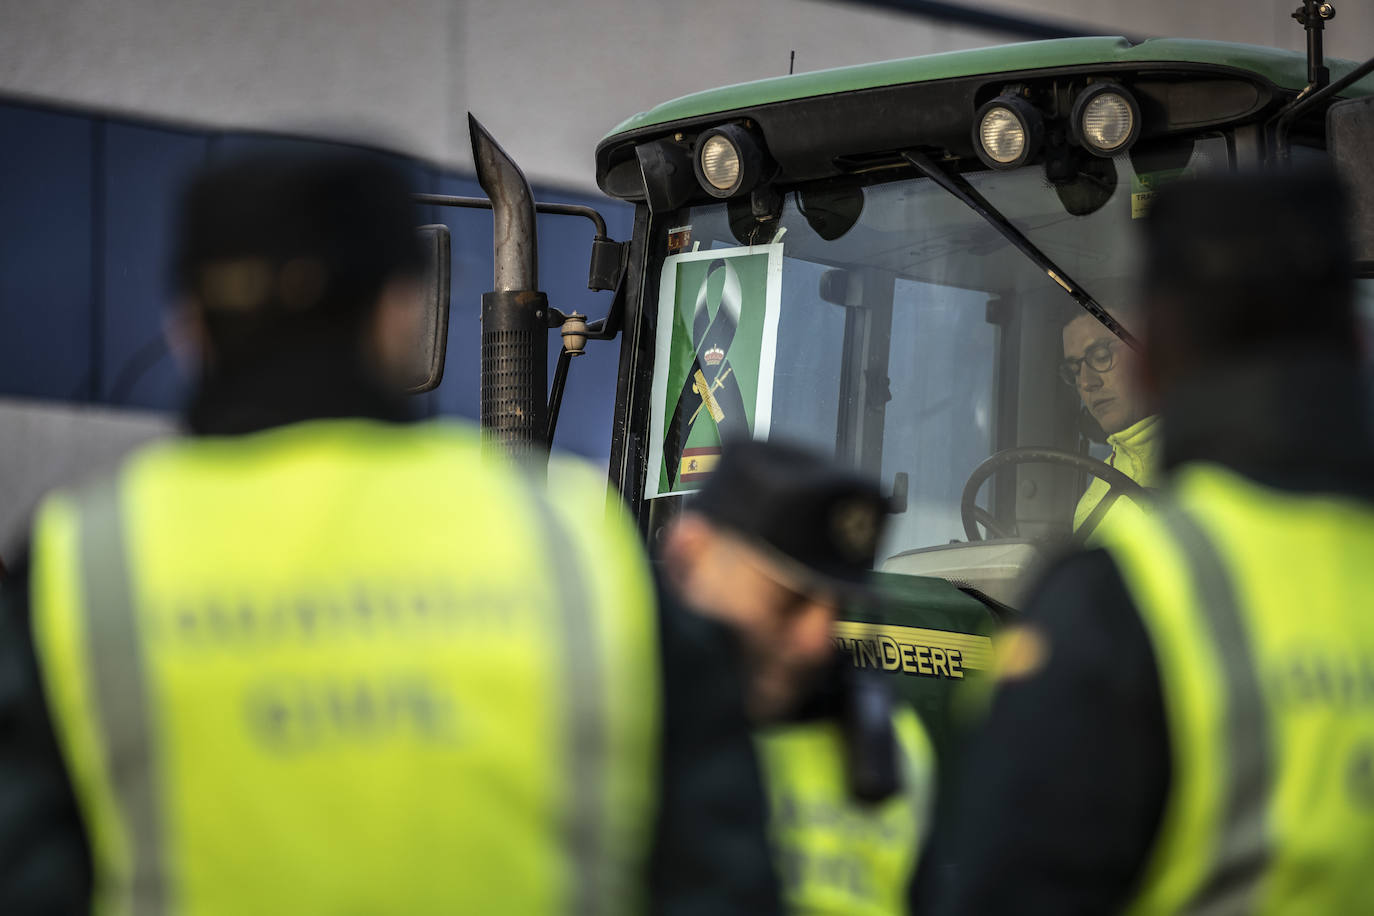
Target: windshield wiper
point(957, 185)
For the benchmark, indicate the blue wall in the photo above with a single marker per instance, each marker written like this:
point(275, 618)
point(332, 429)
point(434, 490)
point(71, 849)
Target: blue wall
point(86, 205)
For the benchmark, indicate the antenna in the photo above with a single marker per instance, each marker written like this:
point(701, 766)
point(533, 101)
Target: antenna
point(792, 62)
point(1312, 16)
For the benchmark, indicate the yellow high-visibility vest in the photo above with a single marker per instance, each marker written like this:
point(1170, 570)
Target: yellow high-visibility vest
point(1135, 453)
point(1259, 604)
point(835, 854)
point(349, 667)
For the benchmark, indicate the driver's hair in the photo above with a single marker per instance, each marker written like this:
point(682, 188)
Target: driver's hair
point(1128, 312)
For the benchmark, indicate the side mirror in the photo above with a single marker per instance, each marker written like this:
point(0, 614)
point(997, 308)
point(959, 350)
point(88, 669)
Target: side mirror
point(1349, 138)
point(425, 367)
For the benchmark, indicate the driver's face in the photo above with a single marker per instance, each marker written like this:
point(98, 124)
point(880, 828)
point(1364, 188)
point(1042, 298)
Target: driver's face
point(1114, 397)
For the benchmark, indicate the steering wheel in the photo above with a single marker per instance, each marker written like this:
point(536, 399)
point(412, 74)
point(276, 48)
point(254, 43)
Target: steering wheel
point(974, 514)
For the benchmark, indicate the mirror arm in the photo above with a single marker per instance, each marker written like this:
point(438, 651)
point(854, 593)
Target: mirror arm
point(607, 328)
point(602, 328)
point(560, 379)
point(481, 203)
point(608, 255)
point(576, 331)
point(1309, 99)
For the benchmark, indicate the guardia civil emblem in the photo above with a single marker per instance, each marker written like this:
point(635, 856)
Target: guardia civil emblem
point(710, 394)
point(715, 349)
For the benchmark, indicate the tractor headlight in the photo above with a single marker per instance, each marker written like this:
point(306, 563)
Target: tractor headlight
point(1105, 119)
point(728, 160)
point(1007, 132)
point(1003, 135)
point(720, 163)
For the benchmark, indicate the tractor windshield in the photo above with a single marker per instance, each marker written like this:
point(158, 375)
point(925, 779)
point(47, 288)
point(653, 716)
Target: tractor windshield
point(884, 321)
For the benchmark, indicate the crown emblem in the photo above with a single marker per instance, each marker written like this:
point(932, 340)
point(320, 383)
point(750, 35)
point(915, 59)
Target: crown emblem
point(713, 356)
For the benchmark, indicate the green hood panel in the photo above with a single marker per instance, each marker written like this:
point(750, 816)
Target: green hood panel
point(923, 623)
point(1286, 69)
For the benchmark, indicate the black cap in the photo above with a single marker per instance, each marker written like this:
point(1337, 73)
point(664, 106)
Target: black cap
point(319, 228)
point(820, 522)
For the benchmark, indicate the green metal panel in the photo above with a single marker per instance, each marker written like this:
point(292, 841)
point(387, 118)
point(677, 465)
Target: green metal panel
point(916, 613)
point(1287, 69)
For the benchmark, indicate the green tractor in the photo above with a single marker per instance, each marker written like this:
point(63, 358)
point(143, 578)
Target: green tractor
point(876, 261)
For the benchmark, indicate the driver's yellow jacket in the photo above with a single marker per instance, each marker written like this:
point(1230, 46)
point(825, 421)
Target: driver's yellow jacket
point(1136, 453)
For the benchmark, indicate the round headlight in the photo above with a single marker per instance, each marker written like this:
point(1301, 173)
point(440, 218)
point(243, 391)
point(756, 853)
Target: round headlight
point(1006, 132)
point(720, 162)
point(728, 160)
point(1106, 119)
point(1003, 135)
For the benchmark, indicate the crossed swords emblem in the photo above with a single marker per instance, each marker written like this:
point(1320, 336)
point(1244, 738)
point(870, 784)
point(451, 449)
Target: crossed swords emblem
point(710, 386)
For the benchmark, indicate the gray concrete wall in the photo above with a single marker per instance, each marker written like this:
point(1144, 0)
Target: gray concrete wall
point(48, 445)
point(1259, 22)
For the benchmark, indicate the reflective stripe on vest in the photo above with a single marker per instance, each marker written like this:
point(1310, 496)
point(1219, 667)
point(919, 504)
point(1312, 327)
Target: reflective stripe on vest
point(120, 697)
point(1242, 850)
point(1258, 606)
point(836, 855)
point(322, 678)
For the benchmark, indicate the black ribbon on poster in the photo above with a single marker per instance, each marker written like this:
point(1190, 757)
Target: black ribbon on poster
point(710, 389)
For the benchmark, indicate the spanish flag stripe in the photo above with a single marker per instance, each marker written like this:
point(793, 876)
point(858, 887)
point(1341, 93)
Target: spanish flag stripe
point(698, 463)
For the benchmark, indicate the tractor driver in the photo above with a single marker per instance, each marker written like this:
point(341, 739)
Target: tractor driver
point(1104, 370)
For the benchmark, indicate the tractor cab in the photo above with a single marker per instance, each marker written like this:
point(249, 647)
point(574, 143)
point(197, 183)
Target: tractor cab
point(925, 268)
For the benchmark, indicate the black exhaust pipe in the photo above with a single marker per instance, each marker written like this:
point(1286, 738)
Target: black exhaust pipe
point(515, 320)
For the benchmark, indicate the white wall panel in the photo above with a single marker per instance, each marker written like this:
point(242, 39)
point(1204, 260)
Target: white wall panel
point(1259, 22)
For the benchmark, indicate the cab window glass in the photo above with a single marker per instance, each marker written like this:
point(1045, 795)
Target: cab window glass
point(915, 342)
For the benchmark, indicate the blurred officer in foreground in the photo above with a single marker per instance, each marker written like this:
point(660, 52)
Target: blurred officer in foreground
point(316, 659)
point(1186, 721)
point(771, 547)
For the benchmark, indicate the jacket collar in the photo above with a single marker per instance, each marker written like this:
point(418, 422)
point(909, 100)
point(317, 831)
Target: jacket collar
point(1136, 449)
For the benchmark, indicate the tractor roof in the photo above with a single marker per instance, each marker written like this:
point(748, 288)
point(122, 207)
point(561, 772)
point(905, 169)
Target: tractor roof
point(1285, 69)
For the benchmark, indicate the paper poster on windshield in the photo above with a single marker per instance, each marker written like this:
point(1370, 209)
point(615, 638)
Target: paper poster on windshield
point(713, 361)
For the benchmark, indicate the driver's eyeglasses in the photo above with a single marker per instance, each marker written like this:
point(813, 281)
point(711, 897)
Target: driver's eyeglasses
point(1099, 358)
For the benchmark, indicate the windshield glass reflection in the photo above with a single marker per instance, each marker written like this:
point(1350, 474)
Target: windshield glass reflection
point(918, 342)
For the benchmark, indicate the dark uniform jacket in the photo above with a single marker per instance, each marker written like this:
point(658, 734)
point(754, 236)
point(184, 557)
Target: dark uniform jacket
point(1063, 787)
point(711, 850)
